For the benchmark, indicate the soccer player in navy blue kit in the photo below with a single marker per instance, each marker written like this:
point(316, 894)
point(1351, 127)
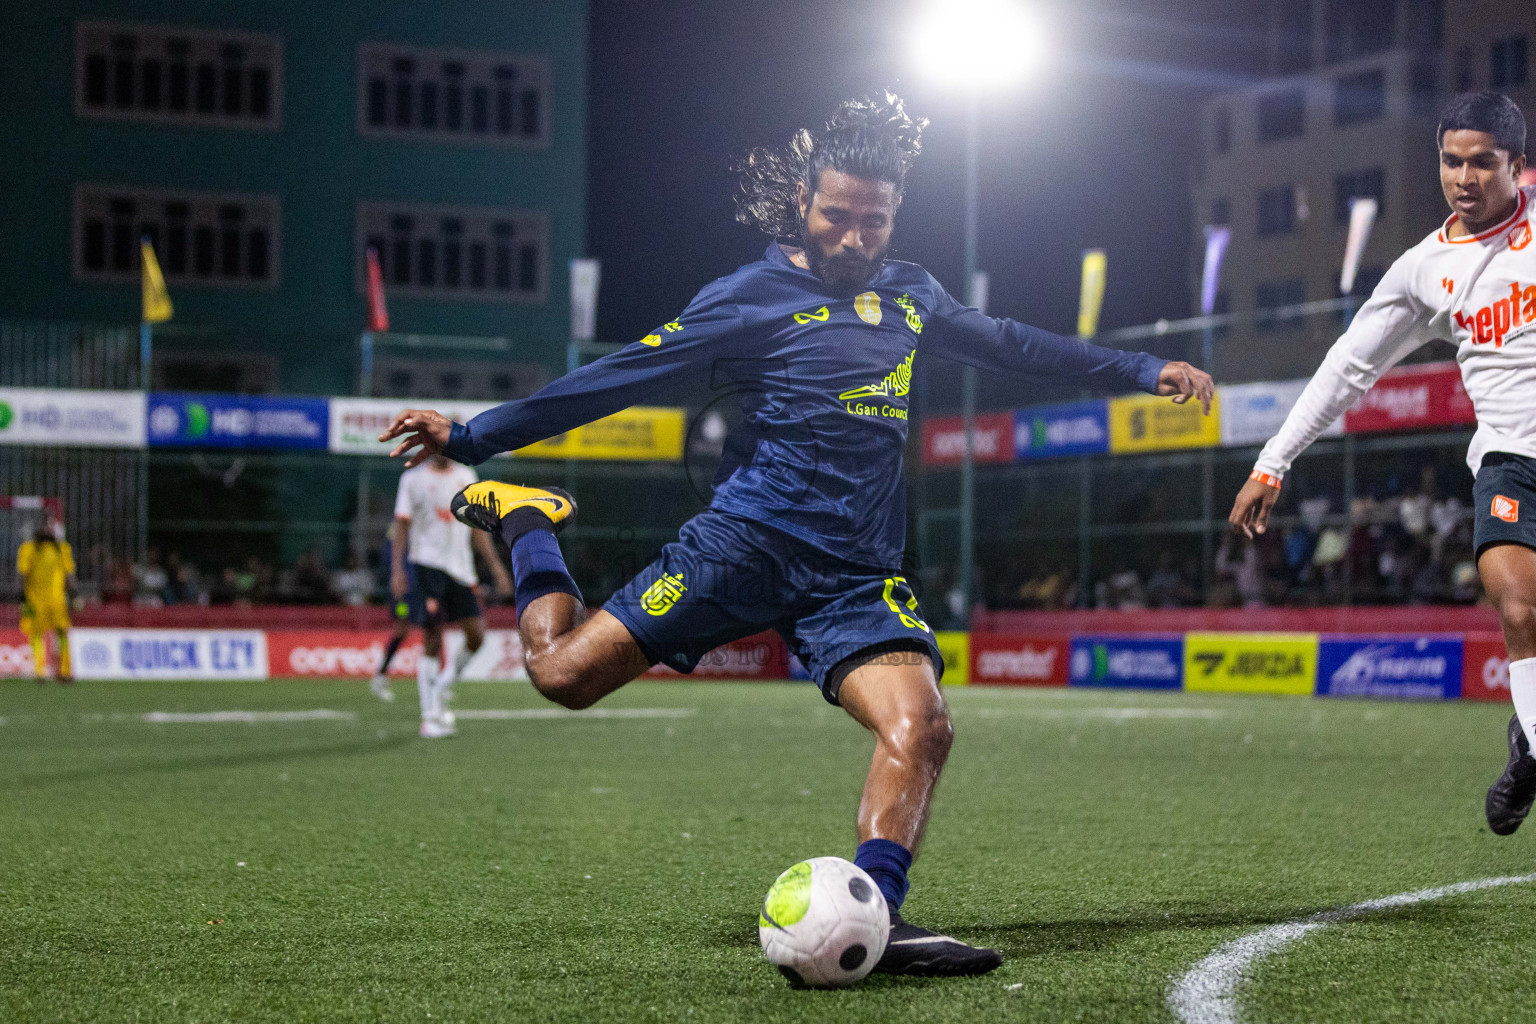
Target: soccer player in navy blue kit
point(817, 341)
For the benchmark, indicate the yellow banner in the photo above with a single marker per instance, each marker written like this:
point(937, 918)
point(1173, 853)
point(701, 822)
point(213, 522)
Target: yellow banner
point(955, 647)
point(1284, 663)
point(1145, 423)
point(157, 301)
point(639, 434)
point(1091, 299)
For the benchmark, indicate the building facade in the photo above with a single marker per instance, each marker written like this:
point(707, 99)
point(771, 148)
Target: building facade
point(263, 149)
point(1348, 110)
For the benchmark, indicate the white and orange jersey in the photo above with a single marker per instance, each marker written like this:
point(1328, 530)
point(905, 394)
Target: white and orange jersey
point(437, 539)
point(1477, 292)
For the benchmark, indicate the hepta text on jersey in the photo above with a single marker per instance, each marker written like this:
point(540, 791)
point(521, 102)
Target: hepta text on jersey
point(1493, 323)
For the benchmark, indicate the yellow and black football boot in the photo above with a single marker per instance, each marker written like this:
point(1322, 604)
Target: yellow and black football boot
point(512, 510)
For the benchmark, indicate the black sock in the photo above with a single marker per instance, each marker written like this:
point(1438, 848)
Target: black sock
point(389, 654)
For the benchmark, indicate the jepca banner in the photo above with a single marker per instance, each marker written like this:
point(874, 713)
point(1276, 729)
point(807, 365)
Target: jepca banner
point(168, 653)
point(944, 439)
point(1402, 668)
point(1071, 428)
point(237, 421)
point(356, 423)
point(1143, 662)
point(1283, 663)
point(103, 419)
point(1413, 397)
point(1253, 413)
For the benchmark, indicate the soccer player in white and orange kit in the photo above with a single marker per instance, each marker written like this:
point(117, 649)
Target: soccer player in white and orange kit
point(1472, 283)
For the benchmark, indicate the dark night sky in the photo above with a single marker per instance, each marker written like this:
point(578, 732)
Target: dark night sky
point(1100, 151)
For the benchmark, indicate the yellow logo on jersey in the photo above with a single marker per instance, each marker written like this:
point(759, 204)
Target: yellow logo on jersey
point(913, 320)
point(820, 315)
point(652, 340)
point(895, 385)
point(867, 306)
point(660, 596)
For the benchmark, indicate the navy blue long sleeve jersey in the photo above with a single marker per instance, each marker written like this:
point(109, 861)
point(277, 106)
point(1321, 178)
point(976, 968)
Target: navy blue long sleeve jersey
point(824, 381)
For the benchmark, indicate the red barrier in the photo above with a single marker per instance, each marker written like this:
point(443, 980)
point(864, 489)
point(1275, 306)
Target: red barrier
point(1484, 668)
point(1020, 659)
point(1365, 619)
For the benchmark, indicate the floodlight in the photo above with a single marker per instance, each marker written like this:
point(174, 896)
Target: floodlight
point(980, 44)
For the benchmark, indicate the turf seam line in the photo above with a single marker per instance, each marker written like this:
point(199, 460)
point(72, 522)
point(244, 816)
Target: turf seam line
point(1207, 994)
point(245, 717)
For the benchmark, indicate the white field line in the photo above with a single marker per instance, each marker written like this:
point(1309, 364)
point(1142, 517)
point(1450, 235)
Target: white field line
point(500, 714)
point(1116, 713)
point(247, 717)
point(1208, 993)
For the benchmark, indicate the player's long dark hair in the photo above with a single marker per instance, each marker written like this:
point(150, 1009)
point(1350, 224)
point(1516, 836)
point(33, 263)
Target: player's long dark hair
point(873, 138)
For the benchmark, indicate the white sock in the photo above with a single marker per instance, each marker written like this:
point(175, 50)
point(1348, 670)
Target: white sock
point(450, 675)
point(1522, 689)
point(426, 669)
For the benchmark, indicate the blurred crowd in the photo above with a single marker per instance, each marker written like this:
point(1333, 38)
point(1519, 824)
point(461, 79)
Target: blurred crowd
point(159, 580)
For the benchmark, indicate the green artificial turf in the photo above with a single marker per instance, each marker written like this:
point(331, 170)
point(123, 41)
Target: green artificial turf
point(611, 868)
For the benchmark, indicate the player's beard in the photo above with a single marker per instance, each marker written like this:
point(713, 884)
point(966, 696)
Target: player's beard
point(844, 272)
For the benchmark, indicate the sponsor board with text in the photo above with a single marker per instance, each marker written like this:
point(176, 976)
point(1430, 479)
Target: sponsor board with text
point(356, 423)
point(636, 434)
point(1396, 667)
point(355, 654)
point(1008, 659)
point(944, 439)
point(1253, 413)
point(1411, 398)
point(15, 654)
point(1144, 423)
point(1144, 662)
point(238, 421)
point(955, 648)
point(168, 653)
point(1071, 428)
point(1485, 668)
point(1282, 663)
point(97, 419)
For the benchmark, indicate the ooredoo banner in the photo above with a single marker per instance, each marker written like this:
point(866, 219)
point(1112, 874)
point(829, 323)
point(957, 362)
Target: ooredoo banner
point(1019, 659)
point(944, 439)
point(1397, 667)
point(355, 654)
point(1485, 668)
point(168, 653)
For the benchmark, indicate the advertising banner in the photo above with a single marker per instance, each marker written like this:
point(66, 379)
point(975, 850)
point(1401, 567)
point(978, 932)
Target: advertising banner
point(355, 654)
point(638, 434)
point(955, 649)
point(1145, 423)
point(237, 421)
point(1143, 662)
point(356, 423)
point(102, 419)
point(944, 439)
point(1397, 667)
point(1411, 398)
point(1283, 663)
point(1253, 413)
point(15, 654)
point(1071, 428)
point(1011, 659)
point(763, 656)
point(168, 653)
point(1485, 668)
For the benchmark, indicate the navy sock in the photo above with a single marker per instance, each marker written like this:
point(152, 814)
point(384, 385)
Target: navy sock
point(887, 863)
point(389, 653)
point(538, 568)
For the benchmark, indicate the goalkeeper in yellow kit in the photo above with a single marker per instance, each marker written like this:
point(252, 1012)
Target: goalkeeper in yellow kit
point(47, 569)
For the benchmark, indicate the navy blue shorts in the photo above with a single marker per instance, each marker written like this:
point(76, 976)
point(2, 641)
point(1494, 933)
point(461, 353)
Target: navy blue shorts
point(455, 601)
point(1504, 501)
point(726, 578)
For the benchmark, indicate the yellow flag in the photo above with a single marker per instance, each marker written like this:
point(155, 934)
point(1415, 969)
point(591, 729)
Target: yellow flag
point(157, 301)
point(1095, 267)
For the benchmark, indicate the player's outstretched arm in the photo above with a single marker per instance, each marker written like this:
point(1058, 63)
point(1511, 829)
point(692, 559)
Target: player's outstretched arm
point(1185, 382)
point(1250, 512)
point(425, 431)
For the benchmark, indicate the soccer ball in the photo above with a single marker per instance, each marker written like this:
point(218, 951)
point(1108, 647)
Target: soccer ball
point(824, 923)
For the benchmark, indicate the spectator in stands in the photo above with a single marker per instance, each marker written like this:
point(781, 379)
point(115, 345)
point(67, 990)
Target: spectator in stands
point(150, 580)
point(1244, 570)
point(310, 580)
point(352, 584)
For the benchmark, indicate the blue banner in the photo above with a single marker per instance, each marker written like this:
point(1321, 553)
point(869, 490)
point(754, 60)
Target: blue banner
point(237, 421)
point(1071, 428)
point(1143, 662)
point(1404, 668)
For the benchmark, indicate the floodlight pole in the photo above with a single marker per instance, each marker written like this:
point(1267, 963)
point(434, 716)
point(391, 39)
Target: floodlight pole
point(968, 373)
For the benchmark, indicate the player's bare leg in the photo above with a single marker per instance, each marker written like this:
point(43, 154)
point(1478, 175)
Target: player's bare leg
point(573, 660)
point(1509, 576)
point(896, 697)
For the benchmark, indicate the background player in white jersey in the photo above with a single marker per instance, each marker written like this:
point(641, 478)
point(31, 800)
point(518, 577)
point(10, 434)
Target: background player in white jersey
point(443, 566)
point(1471, 283)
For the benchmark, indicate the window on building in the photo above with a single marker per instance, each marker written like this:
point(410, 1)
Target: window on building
point(1221, 211)
point(199, 238)
point(1509, 64)
point(1272, 295)
point(1277, 211)
point(1368, 183)
point(458, 95)
point(1282, 115)
point(456, 252)
point(1356, 28)
point(1359, 97)
point(1221, 130)
point(1292, 36)
point(178, 76)
point(1466, 77)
